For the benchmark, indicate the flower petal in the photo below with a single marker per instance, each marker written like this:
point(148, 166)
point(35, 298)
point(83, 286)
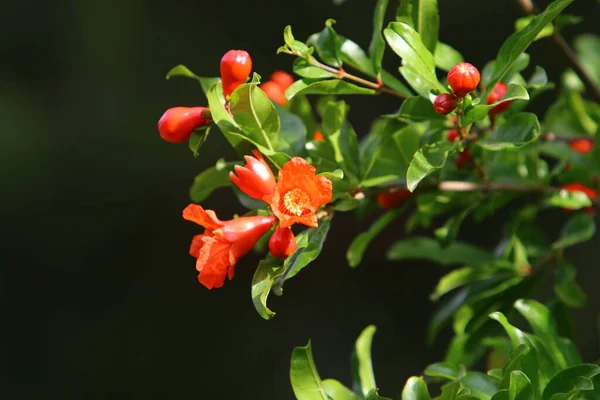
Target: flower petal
point(213, 261)
point(206, 218)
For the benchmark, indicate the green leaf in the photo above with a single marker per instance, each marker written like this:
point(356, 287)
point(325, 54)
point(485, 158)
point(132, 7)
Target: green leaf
point(387, 156)
point(466, 275)
point(423, 17)
point(482, 387)
point(442, 370)
point(336, 391)
point(445, 311)
point(513, 363)
point(520, 387)
point(292, 135)
point(569, 381)
point(210, 180)
point(359, 245)
point(429, 249)
point(427, 160)
point(418, 61)
point(293, 46)
point(546, 31)
point(479, 112)
point(588, 50)
point(309, 245)
point(182, 70)
point(377, 46)
point(305, 378)
point(519, 41)
point(449, 391)
point(329, 86)
point(580, 228)
point(361, 361)
point(374, 395)
point(417, 109)
point(254, 112)
point(328, 44)
point(518, 131)
point(415, 389)
point(566, 288)
point(264, 278)
point(198, 138)
point(571, 200)
point(338, 132)
point(305, 69)
point(446, 57)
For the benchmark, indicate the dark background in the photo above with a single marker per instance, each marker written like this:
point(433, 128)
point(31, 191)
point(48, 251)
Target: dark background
point(100, 298)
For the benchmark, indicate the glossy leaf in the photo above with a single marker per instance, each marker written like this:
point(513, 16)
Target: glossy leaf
point(569, 381)
point(264, 278)
point(309, 246)
point(359, 245)
point(336, 391)
point(580, 228)
point(305, 69)
point(429, 249)
point(427, 160)
point(418, 61)
point(329, 86)
point(198, 138)
point(415, 389)
point(521, 23)
point(482, 387)
point(328, 45)
point(479, 112)
point(210, 180)
point(304, 376)
point(446, 57)
point(449, 391)
point(465, 275)
point(423, 17)
point(519, 41)
point(182, 70)
point(361, 361)
point(566, 288)
point(374, 395)
point(518, 131)
point(442, 370)
point(377, 46)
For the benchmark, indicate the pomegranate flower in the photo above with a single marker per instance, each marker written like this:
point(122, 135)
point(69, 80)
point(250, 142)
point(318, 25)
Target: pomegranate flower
point(255, 178)
point(223, 243)
point(298, 194)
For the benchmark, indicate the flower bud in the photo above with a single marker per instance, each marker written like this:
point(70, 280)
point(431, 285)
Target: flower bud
point(495, 96)
point(255, 178)
point(463, 78)
point(463, 158)
point(282, 243)
point(582, 146)
point(274, 92)
point(236, 66)
point(318, 136)
point(283, 79)
point(444, 104)
point(391, 200)
point(177, 123)
point(452, 135)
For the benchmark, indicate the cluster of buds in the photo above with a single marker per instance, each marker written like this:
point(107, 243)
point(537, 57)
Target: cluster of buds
point(275, 87)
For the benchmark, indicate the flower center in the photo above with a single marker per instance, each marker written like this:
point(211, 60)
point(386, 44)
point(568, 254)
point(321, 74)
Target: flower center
point(296, 202)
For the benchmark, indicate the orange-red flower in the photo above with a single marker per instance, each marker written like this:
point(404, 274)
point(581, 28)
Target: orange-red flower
point(578, 187)
point(255, 178)
point(318, 136)
point(299, 193)
point(391, 200)
point(223, 243)
point(582, 146)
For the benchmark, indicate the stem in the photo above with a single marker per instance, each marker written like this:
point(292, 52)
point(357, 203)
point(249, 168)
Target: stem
point(529, 8)
point(341, 74)
point(552, 137)
point(460, 186)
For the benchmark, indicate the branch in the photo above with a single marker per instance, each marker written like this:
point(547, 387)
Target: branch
point(529, 8)
point(460, 186)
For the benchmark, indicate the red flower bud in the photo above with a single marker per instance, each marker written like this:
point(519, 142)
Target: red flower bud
point(582, 146)
point(235, 69)
point(283, 79)
point(496, 95)
point(282, 243)
point(255, 178)
point(274, 92)
point(463, 158)
point(177, 123)
point(463, 78)
point(390, 200)
point(444, 104)
point(452, 135)
point(318, 136)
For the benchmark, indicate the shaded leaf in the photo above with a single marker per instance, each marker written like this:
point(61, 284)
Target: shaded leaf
point(570, 381)
point(427, 160)
point(446, 57)
point(210, 180)
point(518, 131)
point(182, 70)
point(423, 17)
point(578, 229)
point(364, 377)
point(429, 249)
point(304, 376)
point(377, 46)
point(264, 278)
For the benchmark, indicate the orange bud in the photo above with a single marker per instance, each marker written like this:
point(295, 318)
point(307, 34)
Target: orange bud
point(282, 243)
point(236, 66)
point(274, 92)
point(177, 123)
point(255, 178)
point(283, 79)
point(582, 146)
point(391, 200)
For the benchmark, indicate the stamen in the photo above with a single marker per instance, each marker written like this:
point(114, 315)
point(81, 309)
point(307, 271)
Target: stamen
point(295, 202)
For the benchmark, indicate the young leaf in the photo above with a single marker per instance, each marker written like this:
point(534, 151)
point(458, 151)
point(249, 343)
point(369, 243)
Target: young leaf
point(374, 395)
point(429, 249)
point(446, 57)
point(182, 70)
point(479, 112)
point(335, 390)
point(521, 23)
point(210, 180)
point(462, 276)
point(427, 160)
point(423, 17)
point(305, 69)
point(518, 131)
point(578, 229)
point(328, 44)
point(482, 387)
point(304, 376)
point(442, 370)
point(364, 377)
point(519, 41)
point(198, 138)
point(267, 272)
point(415, 389)
point(359, 245)
point(329, 86)
point(377, 46)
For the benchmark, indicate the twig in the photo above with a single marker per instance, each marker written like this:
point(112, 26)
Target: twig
point(460, 186)
point(529, 8)
point(553, 137)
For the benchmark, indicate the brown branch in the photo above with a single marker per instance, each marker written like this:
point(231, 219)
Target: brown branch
point(529, 8)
